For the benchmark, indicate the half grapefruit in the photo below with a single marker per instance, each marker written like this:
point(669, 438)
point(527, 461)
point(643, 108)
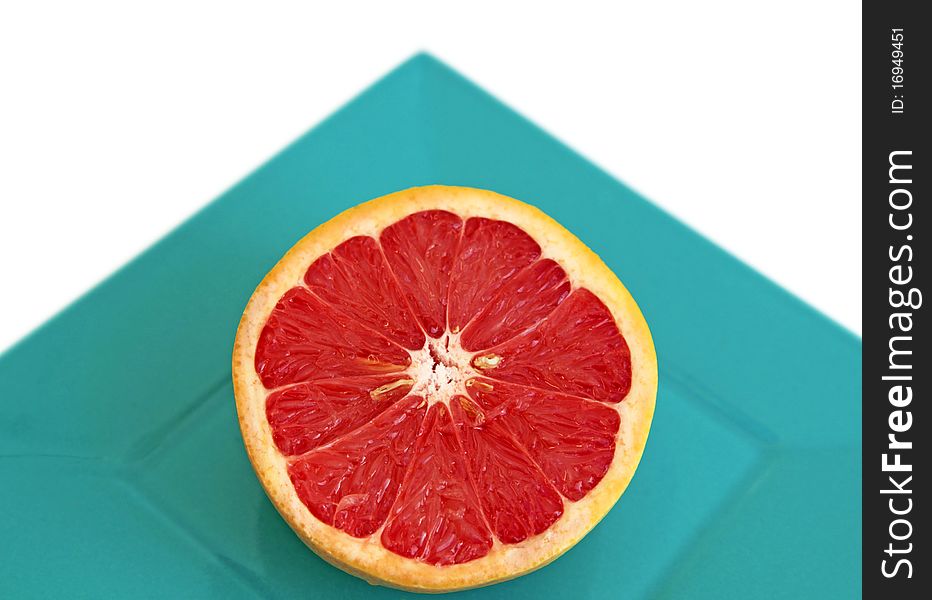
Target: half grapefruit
point(443, 388)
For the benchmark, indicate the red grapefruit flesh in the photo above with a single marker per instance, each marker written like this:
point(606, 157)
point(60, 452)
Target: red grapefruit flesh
point(450, 396)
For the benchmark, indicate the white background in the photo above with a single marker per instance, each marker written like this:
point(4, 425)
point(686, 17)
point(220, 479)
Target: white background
point(117, 122)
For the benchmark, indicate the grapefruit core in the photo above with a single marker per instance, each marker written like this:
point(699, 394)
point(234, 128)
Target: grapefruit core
point(443, 388)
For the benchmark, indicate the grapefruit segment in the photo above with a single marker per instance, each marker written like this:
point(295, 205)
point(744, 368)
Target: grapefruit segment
point(307, 415)
point(355, 280)
point(437, 518)
point(517, 500)
point(443, 388)
point(352, 483)
point(570, 439)
point(421, 249)
point(491, 253)
point(525, 300)
point(305, 339)
point(577, 350)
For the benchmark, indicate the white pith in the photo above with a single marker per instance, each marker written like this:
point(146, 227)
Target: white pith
point(441, 370)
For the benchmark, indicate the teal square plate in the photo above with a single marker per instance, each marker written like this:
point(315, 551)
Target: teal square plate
point(123, 473)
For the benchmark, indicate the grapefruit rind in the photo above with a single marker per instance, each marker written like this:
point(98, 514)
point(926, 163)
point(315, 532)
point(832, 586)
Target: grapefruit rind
point(366, 557)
